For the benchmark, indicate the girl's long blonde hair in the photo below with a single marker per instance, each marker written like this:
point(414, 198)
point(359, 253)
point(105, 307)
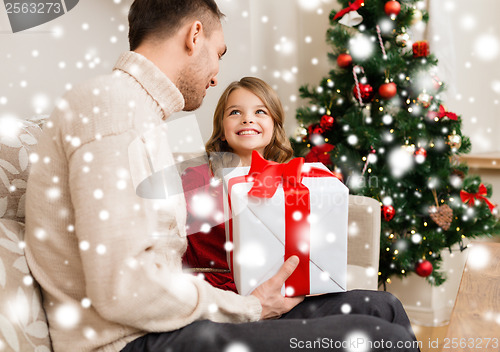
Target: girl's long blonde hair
point(279, 149)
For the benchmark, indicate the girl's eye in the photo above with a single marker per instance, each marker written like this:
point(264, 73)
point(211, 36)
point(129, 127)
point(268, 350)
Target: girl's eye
point(234, 112)
point(260, 111)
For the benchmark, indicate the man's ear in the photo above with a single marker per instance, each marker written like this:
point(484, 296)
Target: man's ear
point(193, 37)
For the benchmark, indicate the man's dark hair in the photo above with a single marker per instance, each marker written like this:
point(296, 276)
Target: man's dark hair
point(160, 19)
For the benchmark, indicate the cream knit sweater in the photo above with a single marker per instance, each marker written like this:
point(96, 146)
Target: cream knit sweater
point(108, 260)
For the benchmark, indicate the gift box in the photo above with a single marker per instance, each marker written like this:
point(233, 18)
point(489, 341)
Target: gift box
point(274, 211)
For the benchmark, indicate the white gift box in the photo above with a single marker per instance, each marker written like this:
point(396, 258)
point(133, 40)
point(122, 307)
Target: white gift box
point(258, 232)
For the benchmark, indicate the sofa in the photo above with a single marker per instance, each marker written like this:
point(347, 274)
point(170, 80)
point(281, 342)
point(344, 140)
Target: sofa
point(23, 325)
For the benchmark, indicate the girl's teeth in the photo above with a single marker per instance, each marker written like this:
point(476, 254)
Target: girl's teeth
point(247, 132)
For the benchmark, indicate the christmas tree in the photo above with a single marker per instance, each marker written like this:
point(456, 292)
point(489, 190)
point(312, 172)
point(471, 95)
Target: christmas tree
point(378, 119)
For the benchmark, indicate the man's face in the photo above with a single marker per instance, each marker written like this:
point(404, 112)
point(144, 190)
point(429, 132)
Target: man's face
point(200, 73)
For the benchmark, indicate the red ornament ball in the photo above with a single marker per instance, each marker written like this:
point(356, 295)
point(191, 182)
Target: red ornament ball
point(424, 268)
point(420, 155)
point(388, 212)
point(392, 8)
point(344, 60)
point(327, 122)
point(315, 129)
point(420, 49)
point(388, 90)
point(365, 90)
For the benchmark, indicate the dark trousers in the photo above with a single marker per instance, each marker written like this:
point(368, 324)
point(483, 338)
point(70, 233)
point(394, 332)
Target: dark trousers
point(351, 321)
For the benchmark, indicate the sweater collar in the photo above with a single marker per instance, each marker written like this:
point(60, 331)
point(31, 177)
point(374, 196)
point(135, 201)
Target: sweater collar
point(153, 80)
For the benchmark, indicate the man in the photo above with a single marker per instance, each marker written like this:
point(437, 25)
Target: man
point(109, 261)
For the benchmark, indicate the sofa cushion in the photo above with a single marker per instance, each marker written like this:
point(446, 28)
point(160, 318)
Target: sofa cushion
point(23, 326)
point(17, 140)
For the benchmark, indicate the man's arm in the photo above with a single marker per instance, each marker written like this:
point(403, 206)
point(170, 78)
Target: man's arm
point(132, 264)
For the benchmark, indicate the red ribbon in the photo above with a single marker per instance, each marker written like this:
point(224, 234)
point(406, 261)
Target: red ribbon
point(267, 175)
point(481, 194)
point(352, 7)
point(443, 113)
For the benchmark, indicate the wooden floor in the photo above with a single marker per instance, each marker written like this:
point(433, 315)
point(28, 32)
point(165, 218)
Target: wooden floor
point(476, 304)
point(432, 338)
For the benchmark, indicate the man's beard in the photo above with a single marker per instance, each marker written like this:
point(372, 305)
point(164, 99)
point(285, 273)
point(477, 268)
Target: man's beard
point(186, 84)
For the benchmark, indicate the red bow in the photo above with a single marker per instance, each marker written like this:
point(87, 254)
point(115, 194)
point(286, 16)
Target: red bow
point(481, 194)
point(267, 175)
point(352, 7)
point(443, 113)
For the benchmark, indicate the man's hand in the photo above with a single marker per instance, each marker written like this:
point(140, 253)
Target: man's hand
point(269, 293)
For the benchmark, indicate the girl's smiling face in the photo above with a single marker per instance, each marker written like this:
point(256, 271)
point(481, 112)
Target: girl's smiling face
point(247, 123)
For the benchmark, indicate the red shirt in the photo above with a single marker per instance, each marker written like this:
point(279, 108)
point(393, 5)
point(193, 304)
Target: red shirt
point(205, 226)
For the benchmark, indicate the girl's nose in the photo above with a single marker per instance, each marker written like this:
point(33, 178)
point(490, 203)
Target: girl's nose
point(247, 119)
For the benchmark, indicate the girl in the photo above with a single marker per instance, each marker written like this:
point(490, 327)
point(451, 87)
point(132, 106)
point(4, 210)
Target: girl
point(249, 116)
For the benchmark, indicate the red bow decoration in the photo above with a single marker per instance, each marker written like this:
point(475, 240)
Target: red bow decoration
point(267, 175)
point(443, 113)
point(481, 194)
point(352, 7)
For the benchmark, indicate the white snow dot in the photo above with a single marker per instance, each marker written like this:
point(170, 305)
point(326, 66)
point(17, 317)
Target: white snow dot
point(101, 249)
point(358, 341)
point(346, 308)
point(85, 26)
point(237, 347)
point(330, 237)
point(3, 100)
point(84, 245)
point(75, 142)
point(88, 157)
point(308, 39)
point(113, 39)
point(89, 333)
point(121, 184)
point(297, 215)
point(228, 246)
point(309, 5)
point(202, 205)
point(264, 19)
point(289, 291)
point(205, 228)
point(352, 139)
point(416, 238)
point(86, 302)
point(213, 308)
point(71, 228)
point(314, 61)
point(98, 194)
point(53, 193)
point(479, 257)
point(324, 276)
point(487, 47)
point(104, 215)
point(67, 316)
point(27, 280)
point(40, 234)
point(370, 271)
point(35, 53)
